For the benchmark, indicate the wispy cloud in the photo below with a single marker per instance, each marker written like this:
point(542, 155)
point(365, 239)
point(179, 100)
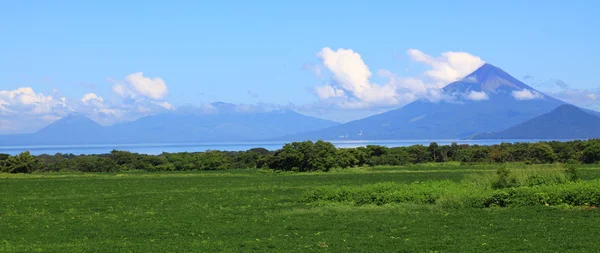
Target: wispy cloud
point(252, 93)
point(526, 94)
point(477, 96)
point(527, 77)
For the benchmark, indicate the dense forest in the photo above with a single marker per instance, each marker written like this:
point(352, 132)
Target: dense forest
point(308, 156)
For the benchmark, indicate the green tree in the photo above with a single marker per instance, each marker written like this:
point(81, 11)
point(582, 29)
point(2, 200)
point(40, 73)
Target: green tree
point(542, 153)
point(591, 154)
point(419, 154)
point(345, 158)
point(324, 156)
point(434, 151)
point(22, 163)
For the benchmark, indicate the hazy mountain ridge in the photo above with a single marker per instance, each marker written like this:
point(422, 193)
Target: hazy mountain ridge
point(173, 128)
point(564, 122)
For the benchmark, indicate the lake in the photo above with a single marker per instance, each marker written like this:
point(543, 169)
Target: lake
point(159, 148)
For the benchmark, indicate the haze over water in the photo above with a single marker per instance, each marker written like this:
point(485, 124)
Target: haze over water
point(158, 148)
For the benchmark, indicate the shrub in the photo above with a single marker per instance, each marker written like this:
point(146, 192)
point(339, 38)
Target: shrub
point(504, 179)
point(450, 195)
point(571, 172)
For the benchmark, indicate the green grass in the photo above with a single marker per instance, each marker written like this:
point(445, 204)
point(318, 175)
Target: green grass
point(248, 210)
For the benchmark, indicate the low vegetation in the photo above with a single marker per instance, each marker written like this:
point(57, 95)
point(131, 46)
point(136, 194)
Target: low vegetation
point(505, 189)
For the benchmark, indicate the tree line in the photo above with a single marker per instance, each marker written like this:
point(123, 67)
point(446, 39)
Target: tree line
point(308, 156)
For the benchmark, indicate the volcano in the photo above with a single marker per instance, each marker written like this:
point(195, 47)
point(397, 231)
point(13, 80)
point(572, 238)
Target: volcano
point(486, 100)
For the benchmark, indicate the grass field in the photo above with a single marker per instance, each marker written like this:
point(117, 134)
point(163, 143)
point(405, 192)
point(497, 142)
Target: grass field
point(249, 210)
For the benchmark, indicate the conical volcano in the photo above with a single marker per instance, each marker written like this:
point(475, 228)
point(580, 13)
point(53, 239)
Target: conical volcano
point(489, 79)
point(487, 100)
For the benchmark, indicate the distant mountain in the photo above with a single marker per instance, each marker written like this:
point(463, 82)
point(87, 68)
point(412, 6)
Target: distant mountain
point(502, 102)
point(224, 124)
point(74, 124)
point(564, 122)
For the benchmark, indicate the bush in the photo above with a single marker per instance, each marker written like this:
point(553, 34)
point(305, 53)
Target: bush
point(571, 172)
point(504, 179)
point(22, 163)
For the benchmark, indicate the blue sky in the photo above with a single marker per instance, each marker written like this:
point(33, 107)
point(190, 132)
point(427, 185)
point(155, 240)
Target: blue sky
point(265, 52)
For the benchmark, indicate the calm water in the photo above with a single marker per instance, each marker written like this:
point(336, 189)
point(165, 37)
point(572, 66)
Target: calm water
point(226, 146)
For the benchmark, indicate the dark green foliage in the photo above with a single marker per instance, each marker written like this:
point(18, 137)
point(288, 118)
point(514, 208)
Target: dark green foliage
point(306, 156)
point(22, 163)
point(591, 154)
point(542, 153)
point(315, 156)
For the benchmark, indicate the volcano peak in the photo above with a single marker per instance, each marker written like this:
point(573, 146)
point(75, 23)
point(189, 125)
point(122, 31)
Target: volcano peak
point(487, 78)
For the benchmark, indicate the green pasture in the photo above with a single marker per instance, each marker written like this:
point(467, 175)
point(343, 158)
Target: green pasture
point(264, 211)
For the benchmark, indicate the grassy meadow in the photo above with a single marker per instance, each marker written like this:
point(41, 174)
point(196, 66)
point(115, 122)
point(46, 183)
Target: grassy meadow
point(420, 208)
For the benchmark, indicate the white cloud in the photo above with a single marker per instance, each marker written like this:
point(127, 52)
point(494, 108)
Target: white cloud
point(352, 76)
point(24, 110)
point(137, 85)
point(448, 67)
point(91, 98)
point(352, 85)
point(142, 96)
point(327, 91)
point(526, 94)
point(165, 104)
point(477, 96)
point(25, 100)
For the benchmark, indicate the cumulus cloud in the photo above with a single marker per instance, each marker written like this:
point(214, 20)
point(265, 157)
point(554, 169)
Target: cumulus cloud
point(477, 96)
point(526, 94)
point(327, 92)
point(352, 77)
point(352, 85)
point(26, 100)
point(448, 67)
point(136, 85)
point(141, 96)
point(24, 110)
point(91, 98)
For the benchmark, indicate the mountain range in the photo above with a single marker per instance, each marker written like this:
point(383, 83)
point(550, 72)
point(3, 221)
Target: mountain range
point(488, 103)
point(188, 127)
